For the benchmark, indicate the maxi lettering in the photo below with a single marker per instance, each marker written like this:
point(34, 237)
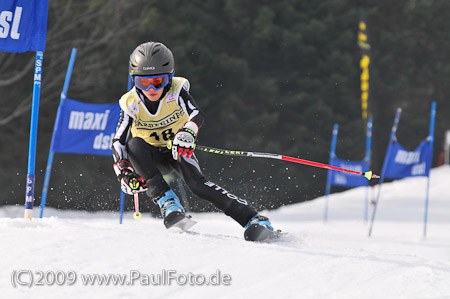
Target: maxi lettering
point(88, 120)
point(357, 168)
point(9, 23)
point(407, 158)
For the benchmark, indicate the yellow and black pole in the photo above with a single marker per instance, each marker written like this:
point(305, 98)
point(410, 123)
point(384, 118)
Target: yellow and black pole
point(364, 45)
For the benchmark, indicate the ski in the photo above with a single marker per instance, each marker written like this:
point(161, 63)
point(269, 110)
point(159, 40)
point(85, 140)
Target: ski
point(179, 220)
point(260, 233)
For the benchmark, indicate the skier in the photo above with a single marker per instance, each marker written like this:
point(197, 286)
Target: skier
point(156, 135)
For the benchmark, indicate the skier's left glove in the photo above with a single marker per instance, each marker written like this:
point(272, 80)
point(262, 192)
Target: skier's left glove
point(130, 181)
point(184, 141)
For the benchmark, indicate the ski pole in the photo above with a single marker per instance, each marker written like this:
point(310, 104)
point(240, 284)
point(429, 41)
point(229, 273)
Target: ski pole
point(368, 174)
point(137, 215)
point(134, 185)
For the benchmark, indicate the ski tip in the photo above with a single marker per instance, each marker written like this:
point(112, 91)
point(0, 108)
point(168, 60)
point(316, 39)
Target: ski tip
point(179, 220)
point(259, 233)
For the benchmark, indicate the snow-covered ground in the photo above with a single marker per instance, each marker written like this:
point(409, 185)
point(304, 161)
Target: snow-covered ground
point(315, 260)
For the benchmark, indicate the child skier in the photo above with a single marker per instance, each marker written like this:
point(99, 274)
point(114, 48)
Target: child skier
point(156, 135)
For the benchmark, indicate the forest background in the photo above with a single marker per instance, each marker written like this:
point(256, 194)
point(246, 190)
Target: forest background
point(270, 76)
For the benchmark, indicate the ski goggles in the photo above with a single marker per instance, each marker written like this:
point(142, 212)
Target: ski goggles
point(147, 82)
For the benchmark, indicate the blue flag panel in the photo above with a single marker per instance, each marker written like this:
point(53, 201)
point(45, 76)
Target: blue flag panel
point(348, 179)
point(86, 128)
point(402, 163)
point(23, 25)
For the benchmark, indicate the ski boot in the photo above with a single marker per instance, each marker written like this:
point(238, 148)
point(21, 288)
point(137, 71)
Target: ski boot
point(259, 228)
point(173, 212)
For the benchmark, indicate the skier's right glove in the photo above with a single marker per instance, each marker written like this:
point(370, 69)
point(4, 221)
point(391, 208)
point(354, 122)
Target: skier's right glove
point(130, 181)
point(184, 141)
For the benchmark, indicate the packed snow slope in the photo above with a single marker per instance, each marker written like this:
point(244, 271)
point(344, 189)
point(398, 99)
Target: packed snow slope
point(315, 260)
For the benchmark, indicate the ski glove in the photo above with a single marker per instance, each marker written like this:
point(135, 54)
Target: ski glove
point(130, 181)
point(184, 141)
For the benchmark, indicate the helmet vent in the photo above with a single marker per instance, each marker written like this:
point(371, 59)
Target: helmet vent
point(167, 63)
point(142, 52)
point(156, 51)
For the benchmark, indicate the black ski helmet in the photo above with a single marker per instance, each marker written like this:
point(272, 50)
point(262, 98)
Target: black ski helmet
point(151, 58)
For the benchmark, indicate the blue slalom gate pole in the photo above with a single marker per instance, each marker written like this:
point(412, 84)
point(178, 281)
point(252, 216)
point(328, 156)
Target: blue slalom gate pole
point(383, 170)
point(122, 205)
point(430, 159)
point(29, 194)
point(332, 156)
point(48, 169)
point(367, 160)
point(122, 194)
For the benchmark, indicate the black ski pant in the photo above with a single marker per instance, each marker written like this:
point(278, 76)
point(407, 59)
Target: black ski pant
point(151, 163)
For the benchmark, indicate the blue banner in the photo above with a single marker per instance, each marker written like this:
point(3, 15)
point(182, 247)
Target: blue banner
point(345, 179)
point(85, 128)
point(402, 163)
point(23, 25)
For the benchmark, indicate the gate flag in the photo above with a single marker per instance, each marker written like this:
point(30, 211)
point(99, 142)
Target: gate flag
point(402, 163)
point(23, 25)
point(86, 128)
point(344, 179)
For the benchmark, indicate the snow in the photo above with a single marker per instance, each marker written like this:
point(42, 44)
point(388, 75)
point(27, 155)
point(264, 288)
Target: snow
point(336, 259)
